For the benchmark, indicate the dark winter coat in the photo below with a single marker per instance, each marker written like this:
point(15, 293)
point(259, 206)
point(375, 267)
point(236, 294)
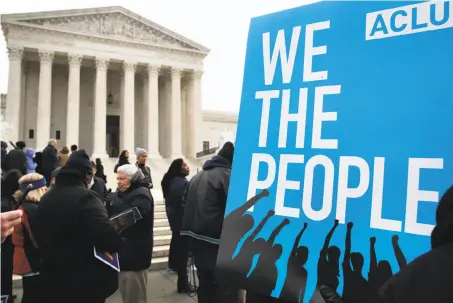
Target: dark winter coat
point(71, 221)
point(4, 145)
point(49, 161)
point(173, 202)
point(100, 173)
point(206, 200)
point(205, 203)
point(429, 277)
point(147, 173)
point(426, 279)
point(16, 159)
point(7, 251)
point(137, 246)
point(99, 187)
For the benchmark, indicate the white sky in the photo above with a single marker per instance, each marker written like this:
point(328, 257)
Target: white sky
point(218, 25)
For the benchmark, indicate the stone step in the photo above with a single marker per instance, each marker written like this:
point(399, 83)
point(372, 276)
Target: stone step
point(160, 215)
point(161, 251)
point(162, 231)
point(159, 208)
point(160, 222)
point(162, 240)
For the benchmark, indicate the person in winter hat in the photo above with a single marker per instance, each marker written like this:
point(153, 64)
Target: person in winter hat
point(31, 165)
point(137, 245)
point(205, 201)
point(227, 152)
point(16, 158)
point(69, 256)
point(142, 157)
point(4, 146)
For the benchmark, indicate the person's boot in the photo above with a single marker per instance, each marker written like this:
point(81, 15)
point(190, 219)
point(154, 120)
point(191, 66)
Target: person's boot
point(184, 286)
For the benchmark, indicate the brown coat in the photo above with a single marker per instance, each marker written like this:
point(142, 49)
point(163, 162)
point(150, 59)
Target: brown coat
point(62, 159)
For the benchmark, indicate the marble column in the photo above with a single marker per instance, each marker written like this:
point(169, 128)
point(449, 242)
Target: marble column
point(23, 135)
point(152, 111)
point(44, 100)
point(100, 109)
point(127, 131)
point(175, 115)
point(14, 93)
point(73, 111)
point(194, 113)
point(121, 106)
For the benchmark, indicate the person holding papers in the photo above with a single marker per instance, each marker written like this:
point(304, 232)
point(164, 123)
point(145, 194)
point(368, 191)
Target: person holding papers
point(71, 222)
point(136, 252)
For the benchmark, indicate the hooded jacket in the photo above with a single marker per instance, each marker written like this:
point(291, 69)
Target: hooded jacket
point(31, 165)
point(429, 277)
point(205, 201)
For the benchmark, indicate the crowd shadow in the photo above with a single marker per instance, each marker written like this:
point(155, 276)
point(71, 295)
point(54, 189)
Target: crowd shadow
point(261, 279)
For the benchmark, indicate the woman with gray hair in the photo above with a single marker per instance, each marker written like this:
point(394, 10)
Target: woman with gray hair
point(136, 252)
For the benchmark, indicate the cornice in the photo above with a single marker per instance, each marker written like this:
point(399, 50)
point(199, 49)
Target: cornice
point(103, 39)
point(102, 10)
point(220, 116)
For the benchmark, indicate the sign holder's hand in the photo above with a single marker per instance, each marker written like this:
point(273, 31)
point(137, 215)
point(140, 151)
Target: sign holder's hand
point(8, 221)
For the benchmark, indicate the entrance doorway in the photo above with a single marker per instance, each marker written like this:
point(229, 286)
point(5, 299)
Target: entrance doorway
point(113, 136)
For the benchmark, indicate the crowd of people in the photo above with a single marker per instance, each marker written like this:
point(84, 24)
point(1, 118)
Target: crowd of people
point(56, 212)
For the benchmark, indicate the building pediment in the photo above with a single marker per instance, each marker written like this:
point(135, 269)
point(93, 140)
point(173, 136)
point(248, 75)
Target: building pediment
point(111, 22)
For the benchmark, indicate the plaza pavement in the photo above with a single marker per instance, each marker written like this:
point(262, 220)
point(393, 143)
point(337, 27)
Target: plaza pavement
point(161, 289)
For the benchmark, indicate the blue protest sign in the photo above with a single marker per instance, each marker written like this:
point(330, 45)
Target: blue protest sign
point(343, 147)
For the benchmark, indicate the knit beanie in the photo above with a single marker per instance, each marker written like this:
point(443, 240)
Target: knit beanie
point(227, 151)
point(79, 161)
point(140, 151)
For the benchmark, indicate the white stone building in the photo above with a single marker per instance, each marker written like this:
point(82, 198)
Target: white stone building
point(106, 79)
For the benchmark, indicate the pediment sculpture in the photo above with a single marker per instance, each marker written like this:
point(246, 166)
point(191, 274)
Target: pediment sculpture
point(113, 25)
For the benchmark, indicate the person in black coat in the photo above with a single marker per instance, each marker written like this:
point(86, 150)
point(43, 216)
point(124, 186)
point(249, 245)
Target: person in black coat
point(142, 158)
point(97, 184)
point(49, 160)
point(123, 160)
point(100, 170)
point(429, 277)
point(4, 146)
point(174, 184)
point(137, 248)
point(71, 222)
point(205, 203)
point(10, 183)
point(16, 158)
